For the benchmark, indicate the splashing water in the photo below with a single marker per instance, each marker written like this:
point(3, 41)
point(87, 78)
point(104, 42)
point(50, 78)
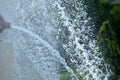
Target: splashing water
point(80, 45)
point(37, 58)
point(51, 35)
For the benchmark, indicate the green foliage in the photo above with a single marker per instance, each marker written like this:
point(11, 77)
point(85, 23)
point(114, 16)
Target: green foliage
point(108, 37)
point(115, 18)
point(65, 76)
point(104, 1)
point(104, 8)
point(107, 31)
point(77, 74)
point(119, 78)
point(107, 42)
point(99, 10)
point(116, 13)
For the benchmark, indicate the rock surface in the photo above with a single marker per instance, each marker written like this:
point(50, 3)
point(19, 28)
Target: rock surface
point(6, 61)
point(3, 24)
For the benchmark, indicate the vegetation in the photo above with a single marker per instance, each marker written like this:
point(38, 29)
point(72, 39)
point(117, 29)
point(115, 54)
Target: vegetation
point(64, 75)
point(108, 46)
point(108, 37)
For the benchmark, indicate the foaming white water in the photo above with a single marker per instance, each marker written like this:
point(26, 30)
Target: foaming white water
point(54, 53)
point(85, 54)
point(38, 22)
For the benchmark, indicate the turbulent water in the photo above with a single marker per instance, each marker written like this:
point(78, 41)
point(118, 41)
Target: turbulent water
point(53, 40)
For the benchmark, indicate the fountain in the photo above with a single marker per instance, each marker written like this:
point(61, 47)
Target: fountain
point(54, 40)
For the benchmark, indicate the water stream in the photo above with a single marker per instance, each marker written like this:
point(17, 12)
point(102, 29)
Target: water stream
point(36, 59)
point(53, 40)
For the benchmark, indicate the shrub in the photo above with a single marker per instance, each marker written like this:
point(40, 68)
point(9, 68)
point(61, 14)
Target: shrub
point(107, 42)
